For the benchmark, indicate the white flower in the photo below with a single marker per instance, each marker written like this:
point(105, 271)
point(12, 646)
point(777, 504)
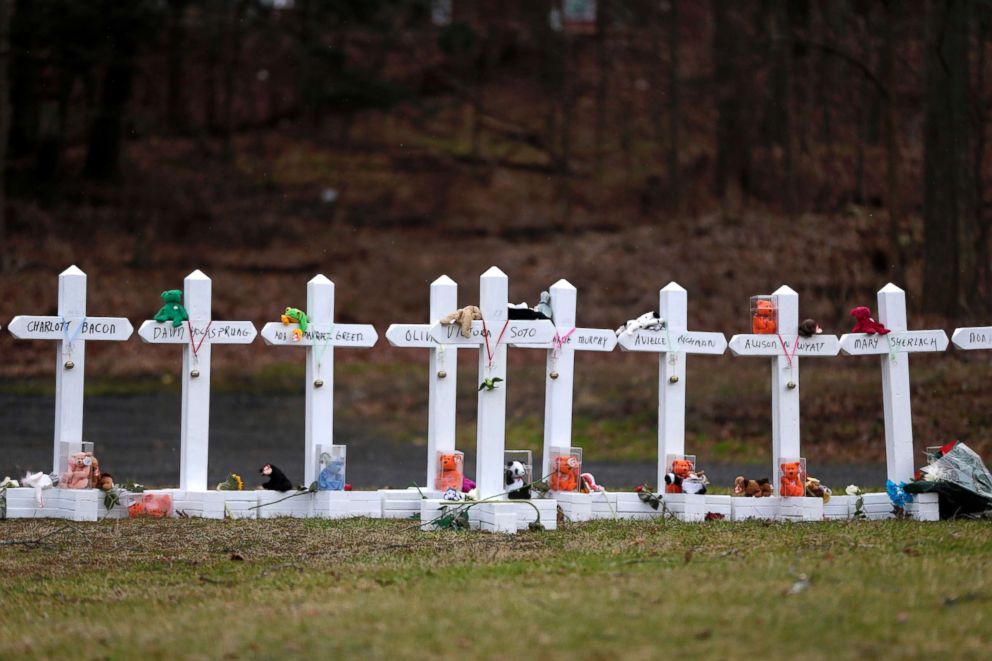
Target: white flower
point(9, 483)
point(853, 490)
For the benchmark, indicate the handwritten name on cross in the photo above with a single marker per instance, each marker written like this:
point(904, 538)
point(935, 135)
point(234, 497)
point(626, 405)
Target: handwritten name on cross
point(491, 336)
point(785, 348)
point(320, 338)
point(896, 404)
point(443, 378)
point(560, 374)
point(671, 343)
point(197, 335)
point(71, 329)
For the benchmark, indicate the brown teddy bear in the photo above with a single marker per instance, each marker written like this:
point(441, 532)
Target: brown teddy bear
point(752, 488)
point(106, 482)
point(463, 318)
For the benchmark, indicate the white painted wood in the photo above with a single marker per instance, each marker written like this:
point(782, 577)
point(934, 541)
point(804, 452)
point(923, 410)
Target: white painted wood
point(195, 429)
point(443, 374)
point(975, 337)
point(71, 329)
point(518, 332)
point(491, 427)
point(785, 350)
point(320, 340)
point(559, 375)
point(672, 344)
point(894, 349)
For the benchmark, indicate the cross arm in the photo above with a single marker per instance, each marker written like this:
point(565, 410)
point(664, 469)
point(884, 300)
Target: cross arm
point(25, 327)
point(861, 344)
point(580, 339)
point(517, 332)
point(219, 332)
point(977, 337)
point(771, 345)
point(335, 335)
point(686, 341)
point(410, 336)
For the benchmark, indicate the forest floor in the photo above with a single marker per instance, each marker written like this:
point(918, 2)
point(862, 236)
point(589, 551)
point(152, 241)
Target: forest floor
point(407, 209)
point(381, 589)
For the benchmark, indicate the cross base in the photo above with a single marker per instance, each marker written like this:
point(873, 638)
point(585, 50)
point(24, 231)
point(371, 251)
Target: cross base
point(777, 508)
point(506, 516)
point(877, 506)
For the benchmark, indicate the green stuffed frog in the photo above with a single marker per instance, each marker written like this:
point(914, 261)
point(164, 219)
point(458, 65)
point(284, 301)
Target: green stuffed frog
point(295, 315)
point(173, 309)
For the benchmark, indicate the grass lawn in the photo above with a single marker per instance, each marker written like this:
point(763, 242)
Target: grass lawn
point(379, 589)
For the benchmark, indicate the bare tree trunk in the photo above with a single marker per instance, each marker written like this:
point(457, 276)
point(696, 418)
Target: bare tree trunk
point(779, 110)
point(602, 86)
point(948, 190)
point(175, 96)
point(892, 198)
point(675, 184)
point(234, 33)
point(733, 130)
point(983, 283)
point(5, 11)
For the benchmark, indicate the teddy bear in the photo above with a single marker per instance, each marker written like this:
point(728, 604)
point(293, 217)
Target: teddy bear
point(565, 475)
point(297, 316)
point(763, 322)
point(514, 477)
point(865, 324)
point(173, 309)
point(816, 490)
point(752, 488)
point(82, 472)
point(791, 482)
point(331, 476)
point(589, 484)
point(106, 482)
point(449, 474)
point(681, 470)
point(463, 318)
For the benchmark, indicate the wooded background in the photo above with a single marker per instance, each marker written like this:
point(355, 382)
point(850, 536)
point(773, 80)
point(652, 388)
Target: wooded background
point(131, 122)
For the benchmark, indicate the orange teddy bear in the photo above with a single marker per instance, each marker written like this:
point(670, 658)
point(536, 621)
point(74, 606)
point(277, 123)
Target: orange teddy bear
point(682, 468)
point(763, 322)
point(450, 474)
point(566, 474)
point(791, 482)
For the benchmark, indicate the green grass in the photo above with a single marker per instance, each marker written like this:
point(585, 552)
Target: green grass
point(377, 589)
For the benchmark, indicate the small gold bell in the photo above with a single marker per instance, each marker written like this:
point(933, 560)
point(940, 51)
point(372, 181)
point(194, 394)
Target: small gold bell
point(791, 385)
point(441, 374)
point(69, 364)
point(319, 383)
point(554, 375)
point(673, 378)
point(194, 373)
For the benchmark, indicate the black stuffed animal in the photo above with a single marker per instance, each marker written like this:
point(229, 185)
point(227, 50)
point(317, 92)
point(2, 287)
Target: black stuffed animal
point(277, 479)
point(514, 477)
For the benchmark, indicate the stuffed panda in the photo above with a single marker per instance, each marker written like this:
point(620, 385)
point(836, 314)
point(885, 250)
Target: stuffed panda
point(647, 321)
point(694, 484)
point(514, 478)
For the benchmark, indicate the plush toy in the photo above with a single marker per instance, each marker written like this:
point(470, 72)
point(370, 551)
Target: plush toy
point(452, 494)
point(752, 488)
point(513, 477)
point(544, 307)
point(277, 479)
point(816, 490)
point(82, 472)
point(589, 484)
point(565, 474)
point(152, 506)
point(173, 309)
point(694, 483)
point(865, 324)
point(647, 321)
point(791, 482)
point(331, 476)
point(681, 470)
point(809, 328)
point(449, 474)
point(295, 315)
point(764, 321)
point(39, 482)
point(106, 482)
point(464, 318)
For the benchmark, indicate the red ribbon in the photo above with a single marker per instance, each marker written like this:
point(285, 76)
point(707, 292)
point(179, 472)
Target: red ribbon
point(559, 340)
point(193, 345)
point(485, 336)
point(785, 349)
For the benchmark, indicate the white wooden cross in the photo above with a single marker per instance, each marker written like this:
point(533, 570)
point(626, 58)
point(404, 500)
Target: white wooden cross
point(71, 329)
point(560, 374)
point(894, 349)
point(785, 348)
point(320, 338)
point(197, 336)
point(443, 377)
point(491, 336)
point(670, 343)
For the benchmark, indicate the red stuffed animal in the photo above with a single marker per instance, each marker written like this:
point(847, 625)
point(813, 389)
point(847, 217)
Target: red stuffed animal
point(682, 468)
point(763, 322)
point(566, 474)
point(791, 482)
point(865, 324)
